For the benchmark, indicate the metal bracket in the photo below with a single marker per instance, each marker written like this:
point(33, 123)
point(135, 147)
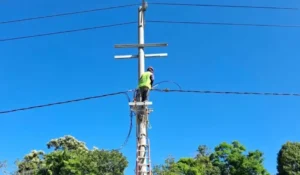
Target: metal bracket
point(119, 46)
point(141, 107)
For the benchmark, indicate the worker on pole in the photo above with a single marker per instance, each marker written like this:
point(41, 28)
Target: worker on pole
point(145, 84)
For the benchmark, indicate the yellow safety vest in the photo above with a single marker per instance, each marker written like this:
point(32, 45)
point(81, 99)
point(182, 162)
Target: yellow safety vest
point(145, 80)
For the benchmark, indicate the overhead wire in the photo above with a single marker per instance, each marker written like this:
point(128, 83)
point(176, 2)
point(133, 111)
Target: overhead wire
point(83, 99)
point(150, 21)
point(158, 90)
point(63, 102)
point(167, 81)
point(220, 23)
point(223, 6)
point(153, 21)
point(110, 164)
point(228, 92)
point(78, 100)
point(153, 3)
point(67, 14)
point(66, 31)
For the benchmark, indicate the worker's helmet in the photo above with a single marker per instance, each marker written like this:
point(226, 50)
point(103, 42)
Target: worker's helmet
point(150, 69)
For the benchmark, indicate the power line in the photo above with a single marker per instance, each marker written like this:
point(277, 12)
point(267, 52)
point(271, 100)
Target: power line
point(63, 102)
point(84, 99)
point(131, 5)
point(66, 31)
point(78, 100)
point(66, 14)
point(151, 21)
point(219, 23)
point(227, 92)
point(167, 81)
point(224, 6)
point(158, 90)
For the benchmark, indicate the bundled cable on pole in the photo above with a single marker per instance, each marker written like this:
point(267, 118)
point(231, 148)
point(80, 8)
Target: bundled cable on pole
point(130, 125)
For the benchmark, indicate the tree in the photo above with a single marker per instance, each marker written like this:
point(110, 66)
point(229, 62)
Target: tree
point(227, 159)
point(200, 165)
point(232, 160)
point(71, 156)
point(203, 159)
point(66, 142)
point(79, 162)
point(288, 159)
point(170, 168)
point(31, 162)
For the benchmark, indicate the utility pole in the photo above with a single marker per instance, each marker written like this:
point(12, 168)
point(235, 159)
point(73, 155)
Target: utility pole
point(143, 162)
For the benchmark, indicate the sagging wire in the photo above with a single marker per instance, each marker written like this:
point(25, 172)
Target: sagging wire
point(64, 102)
point(79, 100)
point(130, 125)
point(167, 81)
point(131, 114)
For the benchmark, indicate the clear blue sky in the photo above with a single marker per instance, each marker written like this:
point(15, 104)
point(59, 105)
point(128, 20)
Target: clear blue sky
point(226, 58)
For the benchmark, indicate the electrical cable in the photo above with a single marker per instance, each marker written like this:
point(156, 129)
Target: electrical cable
point(66, 31)
point(226, 92)
point(127, 137)
point(78, 100)
point(220, 23)
point(225, 6)
point(167, 81)
point(153, 3)
point(130, 126)
point(63, 102)
point(67, 14)
point(159, 90)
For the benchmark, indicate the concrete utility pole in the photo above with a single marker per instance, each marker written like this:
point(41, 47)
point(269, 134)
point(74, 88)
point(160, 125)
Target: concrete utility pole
point(143, 163)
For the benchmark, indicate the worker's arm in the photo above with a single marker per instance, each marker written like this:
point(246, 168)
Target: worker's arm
point(152, 79)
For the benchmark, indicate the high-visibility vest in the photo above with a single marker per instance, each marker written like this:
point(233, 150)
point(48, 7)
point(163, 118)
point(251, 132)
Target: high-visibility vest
point(145, 80)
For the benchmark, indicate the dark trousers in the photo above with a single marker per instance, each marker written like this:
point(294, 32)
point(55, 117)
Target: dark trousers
point(143, 93)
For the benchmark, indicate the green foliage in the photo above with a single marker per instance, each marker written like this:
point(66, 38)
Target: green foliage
point(66, 142)
point(71, 156)
point(227, 159)
point(32, 161)
point(231, 160)
point(288, 159)
point(200, 165)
